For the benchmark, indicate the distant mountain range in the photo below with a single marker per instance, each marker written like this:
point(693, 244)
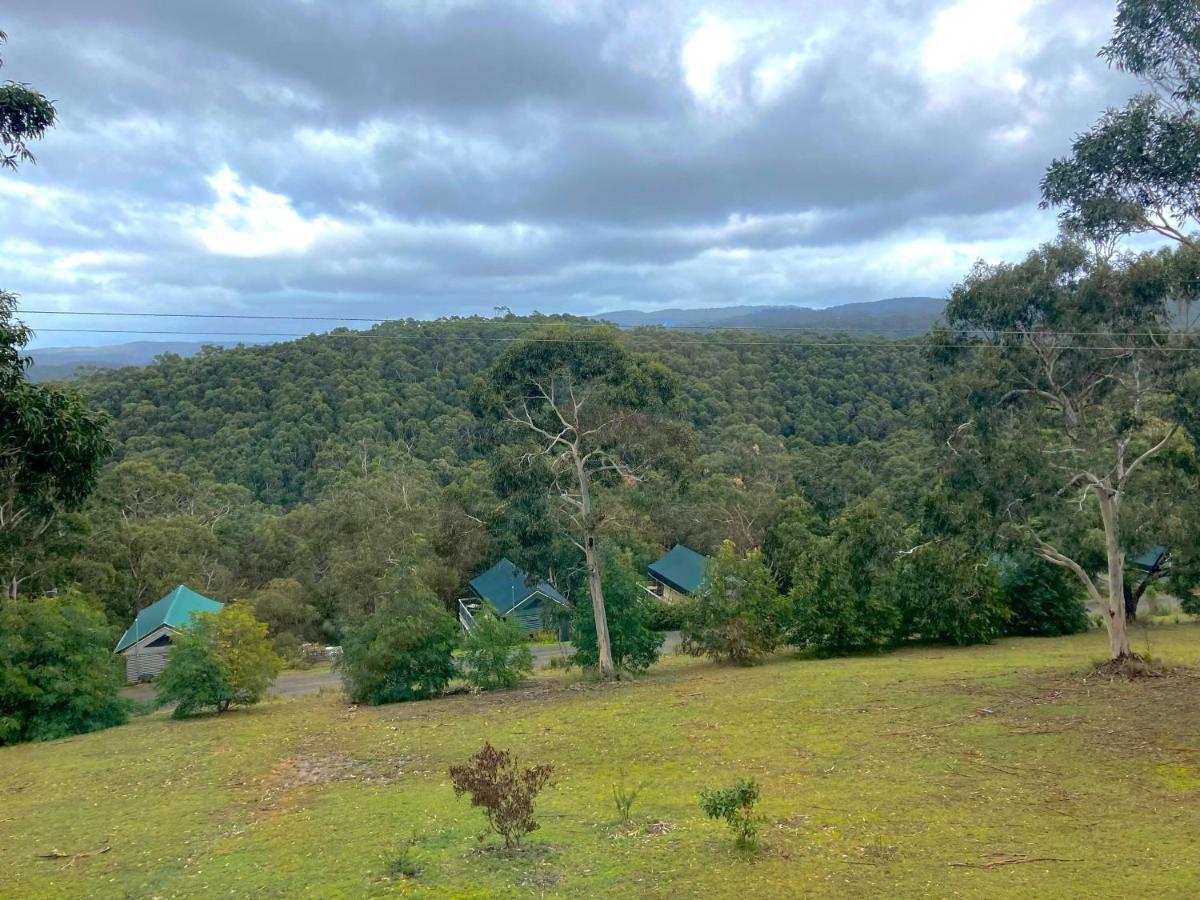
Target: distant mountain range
point(893, 317)
point(63, 363)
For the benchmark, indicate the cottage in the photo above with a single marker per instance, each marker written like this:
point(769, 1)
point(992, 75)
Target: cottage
point(511, 595)
point(147, 644)
point(678, 574)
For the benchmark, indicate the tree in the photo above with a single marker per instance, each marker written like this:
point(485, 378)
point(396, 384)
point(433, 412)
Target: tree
point(631, 616)
point(586, 409)
point(51, 445)
point(737, 614)
point(281, 605)
point(1062, 399)
point(948, 591)
point(1138, 168)
point(25, 114)
point(58, 674)
point(1045, 600)
point(495, 653)
point(841, 599)
point(220, 659)
point(404, 651)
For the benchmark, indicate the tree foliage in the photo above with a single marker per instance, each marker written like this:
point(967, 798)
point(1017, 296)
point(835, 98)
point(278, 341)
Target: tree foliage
point(58, 674)
point(220, 659)
point(495, 654)
point(403, 651)
point(1138, 168)
point(842, 598)
point(631, 618)
point(737, 614)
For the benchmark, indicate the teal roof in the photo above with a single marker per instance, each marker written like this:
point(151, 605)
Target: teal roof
point(1149, 557)
point(174, 610)
point(506, 587)
point(682, 568)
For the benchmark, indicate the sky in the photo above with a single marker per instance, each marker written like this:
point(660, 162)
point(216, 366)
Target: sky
point(385, 158)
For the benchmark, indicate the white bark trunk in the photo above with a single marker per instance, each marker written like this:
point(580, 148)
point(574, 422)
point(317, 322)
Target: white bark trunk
point(1114, 617)
point(595, 588)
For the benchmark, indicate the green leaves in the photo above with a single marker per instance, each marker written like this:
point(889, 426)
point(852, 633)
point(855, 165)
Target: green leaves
point(219, 660)
point(737, 615)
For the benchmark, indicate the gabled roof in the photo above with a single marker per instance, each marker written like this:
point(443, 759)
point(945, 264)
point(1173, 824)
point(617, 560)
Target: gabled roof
point(174, 611)
point(507, 587)
point(681, 568)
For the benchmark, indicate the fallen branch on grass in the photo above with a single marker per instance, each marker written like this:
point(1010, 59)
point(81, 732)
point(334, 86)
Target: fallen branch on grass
point(999, 859)
point(73, 858)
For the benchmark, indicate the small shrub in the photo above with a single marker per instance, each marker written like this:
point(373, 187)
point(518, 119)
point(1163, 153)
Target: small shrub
point(736, 616)
point(495, 654)
point(404, 863)
point(503, 790)
point(630, 612)
point(402, 652)
point(624, 796)
point(220, 659)
point(58, 674)
point(736, 806)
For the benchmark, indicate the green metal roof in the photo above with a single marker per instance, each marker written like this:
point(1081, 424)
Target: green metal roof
point(506, 587)
point(682, 568)
point(174, 610)
point(1149, 557)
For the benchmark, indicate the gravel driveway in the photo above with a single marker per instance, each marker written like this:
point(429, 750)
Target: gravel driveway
point(295, 683)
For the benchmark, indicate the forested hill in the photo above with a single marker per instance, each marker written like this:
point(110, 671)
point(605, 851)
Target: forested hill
point(278, 419)
point(893, 317)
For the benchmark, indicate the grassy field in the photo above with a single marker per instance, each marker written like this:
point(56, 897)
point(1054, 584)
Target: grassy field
point(933, 772)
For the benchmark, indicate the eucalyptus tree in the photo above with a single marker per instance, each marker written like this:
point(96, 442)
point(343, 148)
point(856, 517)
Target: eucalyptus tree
point(1138, 168)
point(588, 415)
point(1064, 391)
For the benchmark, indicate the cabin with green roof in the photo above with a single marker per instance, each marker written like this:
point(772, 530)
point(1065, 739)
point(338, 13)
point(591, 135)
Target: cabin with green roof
point(514, 596)
point(146, 644)
point(678, 574)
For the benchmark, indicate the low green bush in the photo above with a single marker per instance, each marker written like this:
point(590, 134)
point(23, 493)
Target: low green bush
point(495, 654)
point(402, 652)
point(734, 804)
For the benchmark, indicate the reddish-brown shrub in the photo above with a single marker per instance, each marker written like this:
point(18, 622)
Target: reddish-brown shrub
point(503, 790)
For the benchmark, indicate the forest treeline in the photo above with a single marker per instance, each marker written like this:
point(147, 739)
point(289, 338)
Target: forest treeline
point(303, 473)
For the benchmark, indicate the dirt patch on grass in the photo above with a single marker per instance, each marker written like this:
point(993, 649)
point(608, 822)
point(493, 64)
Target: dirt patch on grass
point(326, 768)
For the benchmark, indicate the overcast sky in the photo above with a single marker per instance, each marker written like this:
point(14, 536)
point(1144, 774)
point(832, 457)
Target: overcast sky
point(423, 158)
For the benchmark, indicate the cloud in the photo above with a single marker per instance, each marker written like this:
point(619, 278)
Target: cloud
point(253, 222)
point(397, 159)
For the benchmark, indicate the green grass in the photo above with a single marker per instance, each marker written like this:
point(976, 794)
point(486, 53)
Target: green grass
point(897, 775)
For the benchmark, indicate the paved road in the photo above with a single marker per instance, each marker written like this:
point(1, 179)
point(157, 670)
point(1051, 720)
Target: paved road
point(295, 684)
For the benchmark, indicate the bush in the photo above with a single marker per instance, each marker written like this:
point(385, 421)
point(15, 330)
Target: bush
point(666, 616)
point(58, 674)
point(402, 652)
point(503, 790)
point(219, 660)
point(630, 611)
point(840, 599)
point(736, 806)
point(281, 605)
point(737, 615)
point(495, 654)
point(1045, 599)
point(949, 593)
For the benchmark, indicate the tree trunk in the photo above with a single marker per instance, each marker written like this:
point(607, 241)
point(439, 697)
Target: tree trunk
point(1118, 636)
point(595, 588)
point(1131, 604)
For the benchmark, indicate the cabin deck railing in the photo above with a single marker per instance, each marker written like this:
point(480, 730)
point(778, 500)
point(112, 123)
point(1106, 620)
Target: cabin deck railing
point(465, 617)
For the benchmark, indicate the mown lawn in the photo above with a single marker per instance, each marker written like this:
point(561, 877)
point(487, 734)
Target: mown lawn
point(929, 772)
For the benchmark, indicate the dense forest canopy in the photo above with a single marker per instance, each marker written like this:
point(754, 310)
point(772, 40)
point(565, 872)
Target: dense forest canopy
point(307, 474)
